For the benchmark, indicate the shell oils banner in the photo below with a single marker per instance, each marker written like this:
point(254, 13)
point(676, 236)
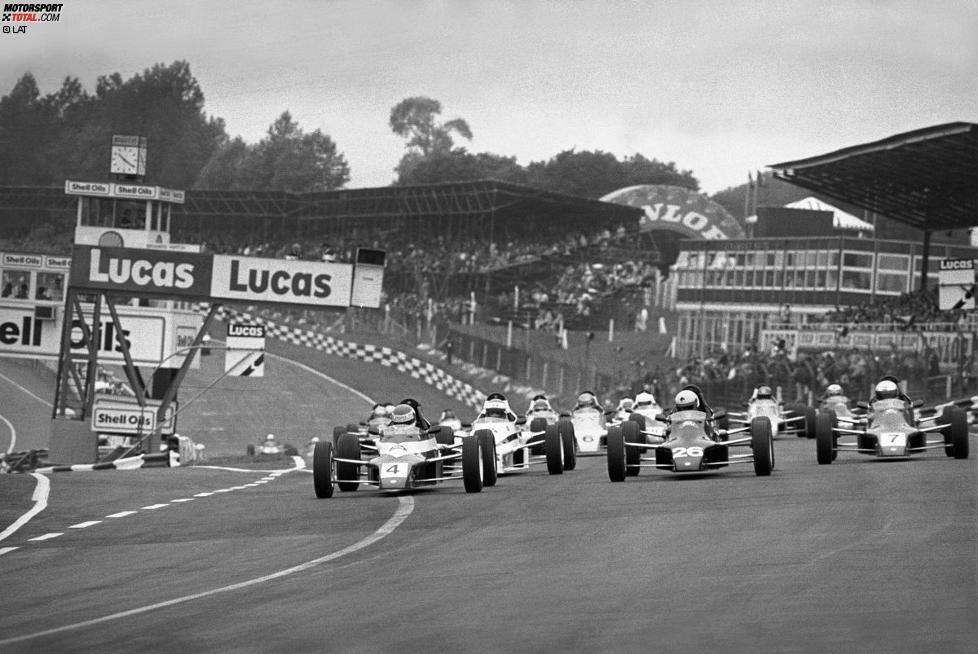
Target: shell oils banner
point(139, 271)
point(283, 281)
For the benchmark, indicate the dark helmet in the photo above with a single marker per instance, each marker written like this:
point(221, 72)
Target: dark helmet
point(687, 399)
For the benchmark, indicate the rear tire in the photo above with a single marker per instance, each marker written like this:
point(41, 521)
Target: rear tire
point(337, 432)
point(616, 454)
point(762, 443)
point(348, 447)
point(472, 465)
point(250, 450)
point(809, 425)
point(633, 455)
point(322, 469)
point(444, 434)
point(554, 447)
point(487, 441)
point(824, 441)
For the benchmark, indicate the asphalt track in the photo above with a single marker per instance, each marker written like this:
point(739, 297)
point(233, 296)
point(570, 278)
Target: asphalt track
point(862, 555)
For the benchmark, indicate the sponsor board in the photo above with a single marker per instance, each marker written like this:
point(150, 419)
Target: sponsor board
point(245, 353)
point(252, 279)
point(146, 272)
point(956, 281)
point(123, 415)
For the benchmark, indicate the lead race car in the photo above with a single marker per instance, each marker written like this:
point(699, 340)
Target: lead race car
point(891, 428)
point(694, 442)
point(763, 404)
point(513, 444)
point(405, 456)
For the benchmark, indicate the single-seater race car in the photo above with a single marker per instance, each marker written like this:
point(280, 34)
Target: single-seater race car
point(379, 417)
point(763, 404)
point(513, 443)
point(891, 428)
point(405, 456)
point(540, 414)
point(590, 423)
point(836, 402)
point(694, 442)
point(650, 412)
point(270, 448)
point(449, 419)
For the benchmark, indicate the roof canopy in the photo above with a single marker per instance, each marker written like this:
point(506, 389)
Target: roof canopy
point(927, 178)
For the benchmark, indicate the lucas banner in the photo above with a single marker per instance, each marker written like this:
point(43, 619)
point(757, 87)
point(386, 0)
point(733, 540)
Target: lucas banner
point(282, 281)
point(138, 271)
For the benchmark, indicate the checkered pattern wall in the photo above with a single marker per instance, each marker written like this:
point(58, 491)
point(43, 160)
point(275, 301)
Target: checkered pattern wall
point(385, 356)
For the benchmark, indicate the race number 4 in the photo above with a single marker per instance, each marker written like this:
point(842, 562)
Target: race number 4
point(392, 469)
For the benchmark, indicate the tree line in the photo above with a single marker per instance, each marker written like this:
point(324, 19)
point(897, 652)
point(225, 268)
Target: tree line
point(45, 139)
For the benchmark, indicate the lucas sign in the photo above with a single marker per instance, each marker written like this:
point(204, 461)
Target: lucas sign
point(278, 280)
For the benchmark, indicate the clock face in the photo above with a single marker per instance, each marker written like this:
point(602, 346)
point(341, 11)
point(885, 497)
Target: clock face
point(125, 160)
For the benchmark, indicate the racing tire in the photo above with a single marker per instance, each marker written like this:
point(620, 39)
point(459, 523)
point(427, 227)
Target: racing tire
point(487, 441)
point(616, 454)
point(762, 443)
point(554, 446)
point(348, 447)
point(337, 432)
point(566, 428)
point(569, 444)
point(809, 425)
point(824, 440)
point(724, 422)
point(633, 455)
point(353, 428)
point(444, 434)
point(538, 424)
point(956, 432)
point(322, 469)
point(639, 420)
point(250, 450)
point(472, 465)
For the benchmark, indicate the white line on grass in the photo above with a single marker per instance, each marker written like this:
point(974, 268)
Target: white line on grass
point(40, 499)
point(13, 434)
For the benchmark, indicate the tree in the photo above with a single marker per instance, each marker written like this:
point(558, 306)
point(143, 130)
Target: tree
point(287, 159)
point(414, 120)
point(457, 165)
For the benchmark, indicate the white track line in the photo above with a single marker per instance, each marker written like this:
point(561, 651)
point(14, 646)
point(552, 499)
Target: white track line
point(40, 498)
point(39, 399)
point(404, 509)
point(13, 434)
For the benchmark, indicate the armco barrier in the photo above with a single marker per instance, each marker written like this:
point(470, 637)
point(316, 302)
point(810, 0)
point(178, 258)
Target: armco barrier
point(129, 463)
point(425, 371)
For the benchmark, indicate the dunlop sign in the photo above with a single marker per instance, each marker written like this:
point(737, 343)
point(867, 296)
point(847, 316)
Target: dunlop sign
point(211, 277)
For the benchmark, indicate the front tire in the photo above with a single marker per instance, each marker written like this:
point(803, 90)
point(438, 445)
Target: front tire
point(348, 447)
point(956, 433)
point(633, 455)
point(569, 445)
point(472, 465)
point(616, 454)
point(824, 441)
point(762, 443)
point(322, 469)
point(553, 444)
point(488, 444)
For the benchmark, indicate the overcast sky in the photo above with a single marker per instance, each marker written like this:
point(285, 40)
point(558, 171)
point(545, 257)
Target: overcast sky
point(720, 87)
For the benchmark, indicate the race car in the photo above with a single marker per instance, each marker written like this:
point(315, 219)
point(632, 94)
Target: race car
point(891, 428)
point(694, 442)
point(650, 412)
point(379, 417)
point(590, 424)
point(270, 448)
point(836, 402)
point(540, 414)
point(763, 404)
point(405, 457)
point(449, 419)
point(512, 442)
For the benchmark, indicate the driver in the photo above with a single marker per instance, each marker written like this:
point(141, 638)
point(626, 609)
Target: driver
point(587, 400)
point(687, 400)
point(447, 414)
point(496, 406)
point(403, 423)
point(626, 404)
point(886, 389)
point(540, 403)
point(762, 393)
point(833, 390)
point(420, 421)
point(644, 400)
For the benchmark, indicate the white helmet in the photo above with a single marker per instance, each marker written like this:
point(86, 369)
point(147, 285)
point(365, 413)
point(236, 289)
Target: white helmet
point(644, 399)
point(887, 389)
point(270, 437)
point(833, 389)
point(686, 399)
point(403, 414)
